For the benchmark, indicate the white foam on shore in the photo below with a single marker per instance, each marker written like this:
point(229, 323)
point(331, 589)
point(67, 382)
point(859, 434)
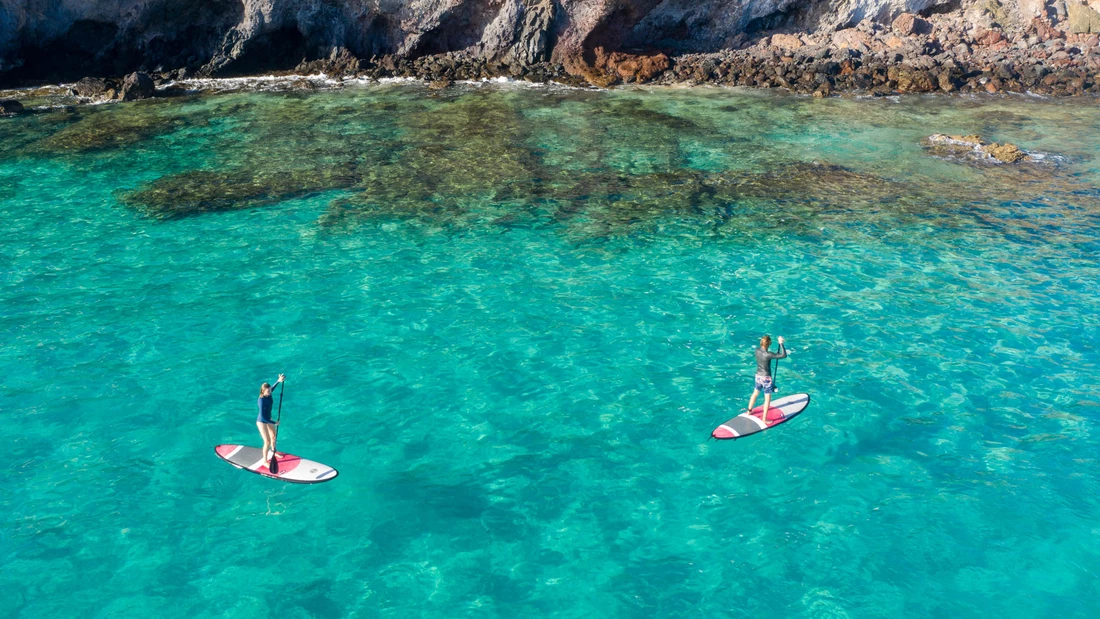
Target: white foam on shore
point(321, 81)
point(273, 83)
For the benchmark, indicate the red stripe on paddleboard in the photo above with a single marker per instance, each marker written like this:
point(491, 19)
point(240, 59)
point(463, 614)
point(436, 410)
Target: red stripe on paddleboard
point(774, 415)
point(287, 463)
point(722, 432)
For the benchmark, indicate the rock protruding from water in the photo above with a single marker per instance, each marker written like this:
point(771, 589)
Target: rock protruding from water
point(137, 86)
point(93, 88)
point(134, 86)
point(339, 63)
point(10, 107)
point(613, 67)
point(973, 148)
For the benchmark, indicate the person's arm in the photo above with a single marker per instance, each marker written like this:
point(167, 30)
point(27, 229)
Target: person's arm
point(782, 354)
point(281, 378)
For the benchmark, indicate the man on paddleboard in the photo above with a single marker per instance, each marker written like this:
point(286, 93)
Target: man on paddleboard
point(763, 381)
point(263, 420)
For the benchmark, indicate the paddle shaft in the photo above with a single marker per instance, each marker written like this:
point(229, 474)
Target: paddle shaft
point(274, 466)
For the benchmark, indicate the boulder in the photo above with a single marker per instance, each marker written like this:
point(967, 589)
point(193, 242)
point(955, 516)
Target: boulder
point(851, 38)
point(1044, 31)
point(137, 86)
point(339, 63)
point(1082, 19)
point(1005, 153)
point(911, 80)
point(9, 107)
point(786, 41)
point(908, 24)
point(635, 67)
point(947, 82)
point(987, 37)
point(91, 87)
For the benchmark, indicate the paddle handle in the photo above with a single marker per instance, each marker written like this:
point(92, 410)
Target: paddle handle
point(775, 374)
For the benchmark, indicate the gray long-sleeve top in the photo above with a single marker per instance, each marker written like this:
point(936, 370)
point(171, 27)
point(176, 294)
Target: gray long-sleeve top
point(764, 359)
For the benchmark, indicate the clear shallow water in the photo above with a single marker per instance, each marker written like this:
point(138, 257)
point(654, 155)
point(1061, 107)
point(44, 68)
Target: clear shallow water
point(511, 318)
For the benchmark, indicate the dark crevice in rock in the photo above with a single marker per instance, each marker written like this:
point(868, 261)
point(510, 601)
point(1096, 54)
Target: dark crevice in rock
point(950, 6)
point(615, 27)
point(273, 51)
point(458, 29)
point(785, 18)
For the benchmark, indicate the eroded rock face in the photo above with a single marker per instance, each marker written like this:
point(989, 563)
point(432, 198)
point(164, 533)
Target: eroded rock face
point(226, 37)
point(819, 47)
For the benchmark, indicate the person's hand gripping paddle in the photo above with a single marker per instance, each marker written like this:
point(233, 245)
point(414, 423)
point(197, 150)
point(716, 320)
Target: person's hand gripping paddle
point(273, 466)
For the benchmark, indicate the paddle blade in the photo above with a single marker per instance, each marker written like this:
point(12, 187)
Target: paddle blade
point(274, 465)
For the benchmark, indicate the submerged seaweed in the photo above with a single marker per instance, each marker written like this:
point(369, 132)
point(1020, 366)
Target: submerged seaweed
point(595, 164)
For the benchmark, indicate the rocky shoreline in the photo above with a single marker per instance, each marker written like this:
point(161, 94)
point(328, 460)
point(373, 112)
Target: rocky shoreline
point(939, 53)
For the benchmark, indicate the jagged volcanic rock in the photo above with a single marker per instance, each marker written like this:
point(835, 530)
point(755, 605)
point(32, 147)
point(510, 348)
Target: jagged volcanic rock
point(811, 46)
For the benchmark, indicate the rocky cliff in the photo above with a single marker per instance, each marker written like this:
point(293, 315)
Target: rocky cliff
point(61, 40)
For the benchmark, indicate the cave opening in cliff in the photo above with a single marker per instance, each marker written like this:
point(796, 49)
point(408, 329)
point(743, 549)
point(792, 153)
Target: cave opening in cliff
point(461, 27)
point(279, 50)
point(86, 48)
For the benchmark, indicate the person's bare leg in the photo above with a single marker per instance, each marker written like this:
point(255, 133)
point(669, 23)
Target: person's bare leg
point(752, 400)
point(767, 407)
point(263, 435)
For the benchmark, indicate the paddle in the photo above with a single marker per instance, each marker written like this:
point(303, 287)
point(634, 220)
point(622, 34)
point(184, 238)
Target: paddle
point(775, 383)
point(274, 466)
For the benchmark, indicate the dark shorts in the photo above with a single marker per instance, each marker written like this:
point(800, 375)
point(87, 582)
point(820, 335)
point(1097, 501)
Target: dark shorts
point(764, 384)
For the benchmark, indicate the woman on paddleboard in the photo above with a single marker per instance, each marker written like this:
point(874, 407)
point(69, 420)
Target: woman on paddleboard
point(263, 420)
point(763, 381)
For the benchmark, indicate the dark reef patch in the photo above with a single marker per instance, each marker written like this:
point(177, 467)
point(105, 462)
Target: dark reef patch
point(591, 165)
point(200, 191)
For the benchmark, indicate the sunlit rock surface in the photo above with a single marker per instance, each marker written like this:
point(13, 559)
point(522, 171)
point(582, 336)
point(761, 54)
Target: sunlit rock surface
point(70, 39)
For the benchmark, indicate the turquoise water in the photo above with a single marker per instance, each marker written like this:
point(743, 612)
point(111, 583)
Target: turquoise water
point(511, 317)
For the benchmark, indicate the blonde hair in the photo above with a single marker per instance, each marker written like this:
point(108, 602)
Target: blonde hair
point(263, 387)
point(765, 341)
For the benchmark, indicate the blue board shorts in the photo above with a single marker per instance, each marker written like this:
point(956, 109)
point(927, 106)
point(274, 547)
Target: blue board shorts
point(764, 384)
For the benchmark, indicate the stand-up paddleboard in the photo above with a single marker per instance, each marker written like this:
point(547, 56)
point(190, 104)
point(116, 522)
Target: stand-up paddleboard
point(782, 409)
point(291, 468)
